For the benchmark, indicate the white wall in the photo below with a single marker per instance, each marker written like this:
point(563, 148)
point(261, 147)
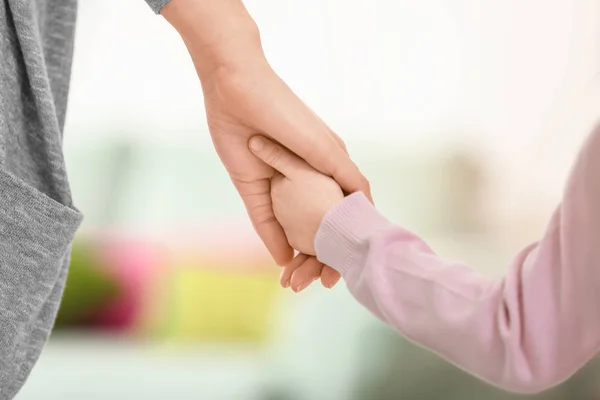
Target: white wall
point(506, 74)
point(392, 68)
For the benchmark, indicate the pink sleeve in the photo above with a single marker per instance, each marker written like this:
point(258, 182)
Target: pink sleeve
point(525, 333)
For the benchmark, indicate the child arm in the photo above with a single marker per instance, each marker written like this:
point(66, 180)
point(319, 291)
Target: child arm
point(525, 333)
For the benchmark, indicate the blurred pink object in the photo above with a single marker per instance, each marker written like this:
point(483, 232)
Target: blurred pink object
point(133, 263)
point(231, 245)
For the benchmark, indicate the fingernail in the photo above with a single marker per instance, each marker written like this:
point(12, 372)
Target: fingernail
point(301, 287)
point(256, 143)
point(283, 283)
point(332, 284)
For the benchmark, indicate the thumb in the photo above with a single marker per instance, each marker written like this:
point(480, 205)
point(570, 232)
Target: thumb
point(276, 156)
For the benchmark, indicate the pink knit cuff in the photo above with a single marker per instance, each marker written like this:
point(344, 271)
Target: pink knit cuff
point(342, 239)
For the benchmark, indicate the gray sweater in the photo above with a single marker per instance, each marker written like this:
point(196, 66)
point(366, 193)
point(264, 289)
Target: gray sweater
point(37, 217)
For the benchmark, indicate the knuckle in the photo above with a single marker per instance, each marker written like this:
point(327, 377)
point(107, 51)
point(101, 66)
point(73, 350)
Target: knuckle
point(366, 184)
point(274, 155)
point(341, 143)
point(262, 214)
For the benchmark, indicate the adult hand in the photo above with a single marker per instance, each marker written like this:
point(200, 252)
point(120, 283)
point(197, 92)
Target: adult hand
point(243, 97)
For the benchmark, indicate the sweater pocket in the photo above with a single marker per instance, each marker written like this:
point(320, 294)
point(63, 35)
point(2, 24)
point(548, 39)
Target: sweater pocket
point(35, 237)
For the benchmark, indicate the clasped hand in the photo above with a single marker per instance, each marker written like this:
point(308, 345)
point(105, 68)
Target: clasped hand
point(301, 197)
point(241, 104)
point(244, 97)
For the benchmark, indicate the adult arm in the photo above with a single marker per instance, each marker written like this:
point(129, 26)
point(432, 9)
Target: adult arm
point(243, 96)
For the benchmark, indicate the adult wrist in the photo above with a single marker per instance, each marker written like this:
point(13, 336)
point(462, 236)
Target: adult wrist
point(220, 34)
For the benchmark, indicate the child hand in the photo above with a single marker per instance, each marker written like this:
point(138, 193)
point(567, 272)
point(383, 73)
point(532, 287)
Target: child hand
point(301, 197)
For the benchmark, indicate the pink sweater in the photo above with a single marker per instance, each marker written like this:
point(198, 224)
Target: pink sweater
point(525, 333)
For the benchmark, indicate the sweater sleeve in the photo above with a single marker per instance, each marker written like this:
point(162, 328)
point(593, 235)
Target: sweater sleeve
point(157, 5)
point(525, 333)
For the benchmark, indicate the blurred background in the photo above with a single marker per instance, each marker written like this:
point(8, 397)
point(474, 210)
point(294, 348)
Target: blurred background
point(464, 114)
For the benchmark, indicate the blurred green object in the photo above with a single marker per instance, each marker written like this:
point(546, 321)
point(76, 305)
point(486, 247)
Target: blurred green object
point(89, 287)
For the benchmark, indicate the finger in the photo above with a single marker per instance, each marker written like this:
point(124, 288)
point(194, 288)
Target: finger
point(305, 274)
point(329, 277)
point(274, 155)
point(335, 136)
point(289, 269)
point(339, 141)
point(297, 127)
point(257, 200)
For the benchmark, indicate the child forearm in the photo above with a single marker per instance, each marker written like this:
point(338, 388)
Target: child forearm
point(525, 333)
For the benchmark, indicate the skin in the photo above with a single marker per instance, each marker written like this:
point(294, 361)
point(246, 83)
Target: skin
point(301, 197)
point(244, 97)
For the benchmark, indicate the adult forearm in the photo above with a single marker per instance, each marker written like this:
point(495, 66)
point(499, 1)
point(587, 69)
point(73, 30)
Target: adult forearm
point(219, 34)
